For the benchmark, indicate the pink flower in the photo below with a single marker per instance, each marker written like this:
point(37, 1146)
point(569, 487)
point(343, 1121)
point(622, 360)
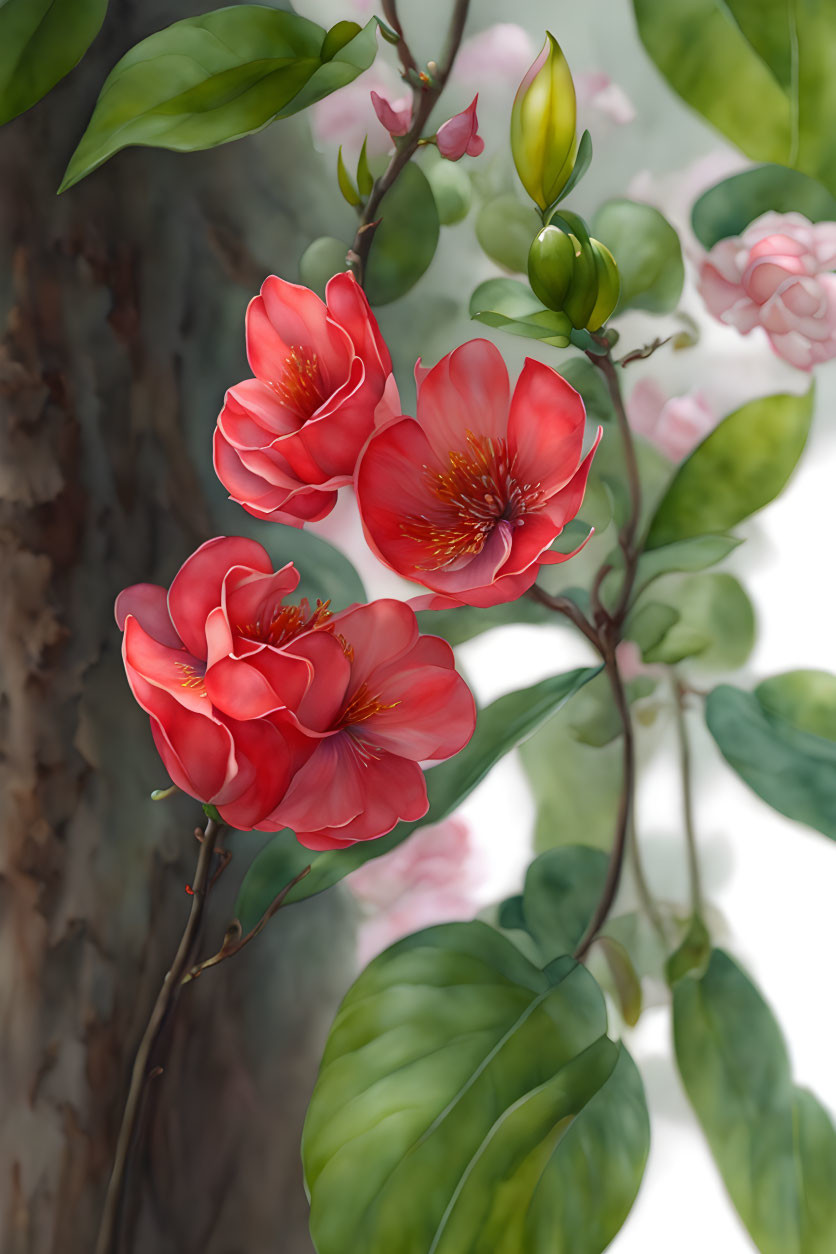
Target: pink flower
point(457, 137)
point(468, 498)
point(346, 117)
point(428, 879)
point(396, 118)
point(204, 661)
point(598, 95)
point(289, 438)
point(392, 700)
point(675, 426)
point(776, 275)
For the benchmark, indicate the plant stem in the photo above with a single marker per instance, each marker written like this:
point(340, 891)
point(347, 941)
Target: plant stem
point(625, 809)
point(563, 605)
point(108, 1230)
point(642, 886)
point(425, 99)
point(687, 795)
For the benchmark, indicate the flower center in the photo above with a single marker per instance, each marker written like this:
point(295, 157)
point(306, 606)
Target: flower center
point(191, 678)
point(300, 386)
point(478, 490)
point(362, 706)
point(284, 623)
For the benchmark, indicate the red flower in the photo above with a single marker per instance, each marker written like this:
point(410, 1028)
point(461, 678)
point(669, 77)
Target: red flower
point(467, 499)
point(395, 701)
point(220, 664)
point(289, 438)
point(458, 136)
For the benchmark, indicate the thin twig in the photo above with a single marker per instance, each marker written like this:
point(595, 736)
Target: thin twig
point(563, 605)
point(234, 942)
point(390, 12)
point(108, 1230)
point(687, 794)
point(639, 354)
point(642, 887)
point(425, 98)
point(625, 809)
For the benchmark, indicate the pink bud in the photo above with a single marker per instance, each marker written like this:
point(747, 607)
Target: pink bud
point(458, 136)
point(396, 118)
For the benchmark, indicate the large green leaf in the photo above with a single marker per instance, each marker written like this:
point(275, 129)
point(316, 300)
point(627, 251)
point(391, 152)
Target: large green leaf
point(806, 699)
point(206, 80)
point(740, 467)
point(647, 252)
point(727, 209)
point(505, 228)
point(466, 621)
point(405, 242)
point(715, 622)
point(718, 67)
point(793, 770)
point(40, 42)
point(682, 555)
point(469, 1101)
point(762, 71)
point(562, 889)
point(499, 728)
point(513, 307)
point(774, 1144)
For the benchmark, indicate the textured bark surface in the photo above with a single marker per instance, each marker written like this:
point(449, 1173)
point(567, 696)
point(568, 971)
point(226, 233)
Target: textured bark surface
point(121, 321)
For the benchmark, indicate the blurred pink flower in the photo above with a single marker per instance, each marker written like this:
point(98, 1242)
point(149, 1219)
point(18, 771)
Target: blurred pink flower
point(629, 658)
point(675, 425)
point(346, 117)
point(503, 51)
point(599, 97)
point(428, 879)
point(396, 118)
point(458, 136)
point(776, 275)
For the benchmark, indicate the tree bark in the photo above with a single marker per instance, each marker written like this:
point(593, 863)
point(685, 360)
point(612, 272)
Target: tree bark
point(121, 314)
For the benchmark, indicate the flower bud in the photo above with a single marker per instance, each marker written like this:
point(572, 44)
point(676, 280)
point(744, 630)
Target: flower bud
point(551, 266)
point(609, 285)
point(573, 274)
point(543, 126)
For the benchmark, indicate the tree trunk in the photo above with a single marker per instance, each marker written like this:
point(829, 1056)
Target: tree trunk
point(121, 308)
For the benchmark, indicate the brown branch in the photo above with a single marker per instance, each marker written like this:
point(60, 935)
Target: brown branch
point(234, 942)
point(640, 354)
point(563, 605)
point(425, 99)
point(140, 1075)
point(410, 68)
point(625, 809)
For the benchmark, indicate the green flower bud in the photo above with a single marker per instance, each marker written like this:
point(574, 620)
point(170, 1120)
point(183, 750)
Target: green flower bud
point(543, 125)
point(551, 266)
point(609, 285)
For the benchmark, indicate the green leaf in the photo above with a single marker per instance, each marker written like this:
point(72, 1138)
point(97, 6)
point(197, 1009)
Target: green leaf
point(505, 229)
point(321, 260)
point(499, 728)
point(805, 699)
point(647, 252)
point(624, 983)
point(365, 178)
point(562, 888)
point(774, 1145)
point(716, 65)
point(793, 771)
point(511, 305)
point(554, 760)
point(210, 79)
point(326, 574)
point(583, 159)
point(740, 467)
point(405, 242)
point(648, 625)
point(345, 182)
point(682, 555)
point(727, 209)
point(715, 623)
point(337, 38)
point(280, 861)
point(452, 190)
point(692, 955)
point(469, 1101)
point(40, 42)
point(465, 622)
point(594, 719)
